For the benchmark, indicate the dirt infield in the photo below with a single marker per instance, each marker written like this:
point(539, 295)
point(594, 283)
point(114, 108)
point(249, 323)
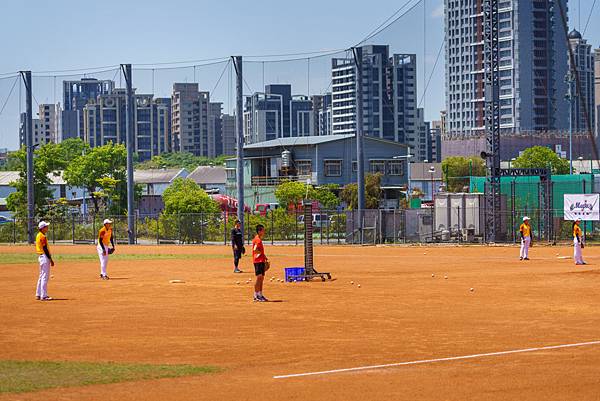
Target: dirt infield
point(400, 313)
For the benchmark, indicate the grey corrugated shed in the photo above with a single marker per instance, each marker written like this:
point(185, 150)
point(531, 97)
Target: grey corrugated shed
point(298, 141)
point(158, 176)
point(6, 177)
point(208, 175)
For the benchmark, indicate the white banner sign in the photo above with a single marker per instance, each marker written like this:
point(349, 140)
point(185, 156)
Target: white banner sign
point(582, 206)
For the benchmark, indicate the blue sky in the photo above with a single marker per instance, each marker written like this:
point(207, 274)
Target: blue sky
point(71, 34)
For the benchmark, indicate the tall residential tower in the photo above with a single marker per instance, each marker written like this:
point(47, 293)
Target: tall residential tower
point(533, 66)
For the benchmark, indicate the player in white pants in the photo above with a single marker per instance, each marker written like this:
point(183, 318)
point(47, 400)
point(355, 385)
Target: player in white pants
point(525, 231)
point(105, 238)
point(45, 260)
point(577, 243)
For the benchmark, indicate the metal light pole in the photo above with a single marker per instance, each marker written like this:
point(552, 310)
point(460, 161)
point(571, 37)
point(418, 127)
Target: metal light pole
point(129, 119)
point(239, 122)
point(26, 76)
point(360, 156)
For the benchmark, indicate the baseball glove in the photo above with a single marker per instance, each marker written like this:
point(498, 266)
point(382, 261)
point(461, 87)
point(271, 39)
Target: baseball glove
point(267, 265)
point(111, 251)
point(243, 250)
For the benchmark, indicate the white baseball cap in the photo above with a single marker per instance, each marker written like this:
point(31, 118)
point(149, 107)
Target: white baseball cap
point(526, 218)
point(107, 221)
point(43, 224)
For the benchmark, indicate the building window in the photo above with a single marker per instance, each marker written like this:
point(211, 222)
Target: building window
point(333, 168)
point(377, 166)
point(395, 167)
point(304, 167)
point(354, 166)
point(231, 176)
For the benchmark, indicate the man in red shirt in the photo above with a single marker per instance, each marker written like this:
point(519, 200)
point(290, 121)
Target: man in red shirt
point(260, 261)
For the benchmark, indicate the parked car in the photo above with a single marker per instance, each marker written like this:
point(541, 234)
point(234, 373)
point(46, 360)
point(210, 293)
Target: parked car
point(263, 208)
point(318, 219)
point(5, 220)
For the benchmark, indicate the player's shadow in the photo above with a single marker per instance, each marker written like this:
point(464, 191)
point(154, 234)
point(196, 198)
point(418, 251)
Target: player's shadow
point(57, 299)
point(275, 300)
point(118, 278)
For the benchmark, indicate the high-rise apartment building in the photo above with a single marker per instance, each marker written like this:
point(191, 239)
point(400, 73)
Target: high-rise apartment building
point(584, 99)
point(389, 93)
point(105, 121)
point(75, 96)
point(277, 114)
point(215, 129)
point(46, 128)
point(597, 89)
point(190, 110)
point(533, 66)
point(229, 134)
point(322, 114)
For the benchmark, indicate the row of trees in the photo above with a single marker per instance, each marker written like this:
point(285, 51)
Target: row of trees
point(180, 160)
point(100, 170)
point(457, 170)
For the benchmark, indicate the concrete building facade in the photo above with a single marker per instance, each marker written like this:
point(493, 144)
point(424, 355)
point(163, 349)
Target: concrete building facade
point(105, 121)
point(275, 113)
point(389, 92)
point(75, 96)
point(584, 102)
point(533, 65)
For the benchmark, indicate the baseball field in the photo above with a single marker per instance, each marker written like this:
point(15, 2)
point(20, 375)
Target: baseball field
point(426, 323)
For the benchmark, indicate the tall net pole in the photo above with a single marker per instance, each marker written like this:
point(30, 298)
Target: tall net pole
point(26, 76)
point(360, 171)
point(126, 68)
point(239, 121)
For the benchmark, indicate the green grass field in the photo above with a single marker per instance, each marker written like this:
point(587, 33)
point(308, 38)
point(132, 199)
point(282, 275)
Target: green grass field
point(27, 376)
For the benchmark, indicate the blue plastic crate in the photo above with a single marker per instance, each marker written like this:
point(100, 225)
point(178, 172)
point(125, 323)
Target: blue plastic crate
point(292, 272)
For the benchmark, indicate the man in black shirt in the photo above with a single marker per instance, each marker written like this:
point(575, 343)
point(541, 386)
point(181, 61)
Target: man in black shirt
point(237, 243)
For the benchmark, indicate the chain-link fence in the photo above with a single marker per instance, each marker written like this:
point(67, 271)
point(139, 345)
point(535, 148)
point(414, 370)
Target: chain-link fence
point(454, 223)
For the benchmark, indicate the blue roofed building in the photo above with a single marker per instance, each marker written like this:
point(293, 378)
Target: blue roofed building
point(319, 160)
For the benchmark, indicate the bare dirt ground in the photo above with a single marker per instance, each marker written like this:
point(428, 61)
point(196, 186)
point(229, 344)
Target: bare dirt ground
point(400, 313)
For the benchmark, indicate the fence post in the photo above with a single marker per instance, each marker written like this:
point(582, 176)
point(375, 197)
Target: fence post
point(394, 226)
point(14, 231)
point(157, 231)
point(225, 215)
point(296, 224)
point(201, 228)
point(513, 208)
point(272, 227)
point(338, 225)
point(328, 223)
point(321, 226)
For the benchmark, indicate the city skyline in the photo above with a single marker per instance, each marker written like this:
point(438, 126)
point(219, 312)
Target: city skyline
point(312, 79)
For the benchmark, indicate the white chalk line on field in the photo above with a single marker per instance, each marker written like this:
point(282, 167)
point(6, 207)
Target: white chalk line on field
point(424, 361)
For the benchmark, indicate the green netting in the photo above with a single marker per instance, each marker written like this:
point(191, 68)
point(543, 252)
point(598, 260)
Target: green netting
point(527, 189)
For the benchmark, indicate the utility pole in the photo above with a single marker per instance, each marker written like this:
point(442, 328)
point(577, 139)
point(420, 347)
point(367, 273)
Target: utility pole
point(129, 119)
point(239, 121)
point(360, 156)
point(26, 76)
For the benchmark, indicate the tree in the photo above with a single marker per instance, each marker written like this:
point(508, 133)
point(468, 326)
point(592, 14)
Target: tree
point(292, 193)
point(457, 169)
point(48, 159)
point(326, 196)
point(542, 157)
point(108, 161)
point(349, 193)
point(180, 160)
point(185, 196)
